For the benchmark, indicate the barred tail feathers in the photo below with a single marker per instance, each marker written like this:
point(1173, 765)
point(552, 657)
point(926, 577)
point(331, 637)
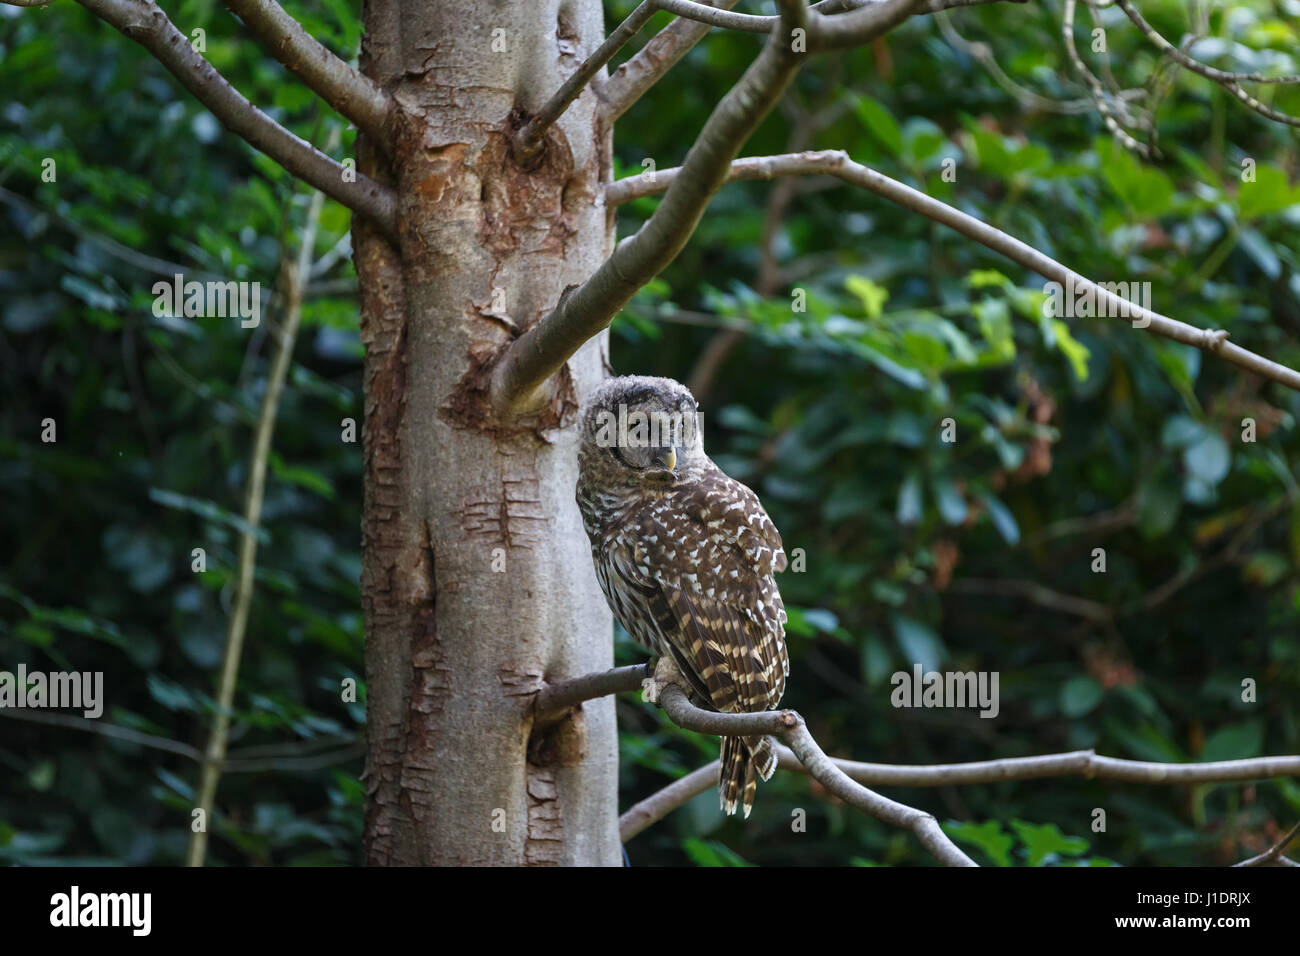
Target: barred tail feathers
point(744, 760)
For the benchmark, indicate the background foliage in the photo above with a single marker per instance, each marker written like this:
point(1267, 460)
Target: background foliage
point(1072, 436)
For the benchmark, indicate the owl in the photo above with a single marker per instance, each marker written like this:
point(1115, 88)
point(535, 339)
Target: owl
point(686, 558)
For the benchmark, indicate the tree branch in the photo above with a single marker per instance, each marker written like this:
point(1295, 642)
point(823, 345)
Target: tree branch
point(803, 755)
point(529, 137)
point(1273, 854)
point(347, 90)
point(1079, 763)
point(837, 163)
point(293, 278)
point(646, 813)
point(554, 699)
point(790, 728)
point(1036, 593)
point(784, 724)
point(629, 82)
point(1121, 135)
point(292, 756)
point(583, 311)
point(863, 24)
point(144, 22)
point(1229, 81)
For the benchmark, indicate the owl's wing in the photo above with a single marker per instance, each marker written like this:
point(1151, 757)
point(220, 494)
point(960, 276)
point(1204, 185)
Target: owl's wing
point(710, 553)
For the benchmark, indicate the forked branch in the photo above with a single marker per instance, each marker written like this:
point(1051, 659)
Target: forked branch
point(584, 310)
point(1229, 81)
point(144, 22)
point(802, 758)
point(349, 91)
point(789, 727)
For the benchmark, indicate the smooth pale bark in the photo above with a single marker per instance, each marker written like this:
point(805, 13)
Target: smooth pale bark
point(454, 649)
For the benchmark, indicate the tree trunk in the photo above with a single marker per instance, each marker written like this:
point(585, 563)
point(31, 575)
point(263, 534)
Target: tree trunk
point(477, 581)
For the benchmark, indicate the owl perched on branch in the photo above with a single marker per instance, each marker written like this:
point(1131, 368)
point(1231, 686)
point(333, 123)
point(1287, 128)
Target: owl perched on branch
point(685, 556)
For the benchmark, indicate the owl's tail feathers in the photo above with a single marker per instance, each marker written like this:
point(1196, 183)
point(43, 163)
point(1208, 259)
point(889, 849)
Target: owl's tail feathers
point(744, 760)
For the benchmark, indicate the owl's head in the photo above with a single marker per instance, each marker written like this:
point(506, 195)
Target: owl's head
point(640, 429)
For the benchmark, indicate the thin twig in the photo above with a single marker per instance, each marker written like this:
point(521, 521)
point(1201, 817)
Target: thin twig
point(1229, 81)
point(1094, 85)
point(630, 81)
point(293, 276)
point(293, 756)
point(1274, 853)
point(1035, 593)
point(529, 137)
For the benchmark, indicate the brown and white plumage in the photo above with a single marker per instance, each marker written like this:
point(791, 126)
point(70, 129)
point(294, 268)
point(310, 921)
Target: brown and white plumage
point(686, 557)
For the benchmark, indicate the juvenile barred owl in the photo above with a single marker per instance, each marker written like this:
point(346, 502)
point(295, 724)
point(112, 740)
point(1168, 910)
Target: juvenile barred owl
point(685, 556)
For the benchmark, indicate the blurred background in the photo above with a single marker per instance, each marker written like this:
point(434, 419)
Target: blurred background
point(977, 555)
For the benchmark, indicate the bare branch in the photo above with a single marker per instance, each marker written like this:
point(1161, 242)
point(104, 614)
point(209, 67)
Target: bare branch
point(293, 756)
point(629, 82)
point(1079, 763)
point(861, 25)
point(144, 22)
point(529, 137)
point(293, 278)
point(554, 699)
point(1035, 593)
point(837, 163)
point(583, 311)
point(1229, 81)
point(790, 727)
point(717, 17)
point(982, 53)
point(346, 89)
point(1098, 91)
point(659, 804)
point(1272, 855)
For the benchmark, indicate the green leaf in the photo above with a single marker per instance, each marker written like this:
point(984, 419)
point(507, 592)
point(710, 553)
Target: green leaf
point(1075, 351)
point(880, 122)
point(987, 836)
point(1079, 695)
point(871, 295)
point(918, 642)
point(1235, 742)
point(711, 853)
point(909, 507)
point(952, 506)
point(1003, 520)
point(1043, 840)
point(1208, 458)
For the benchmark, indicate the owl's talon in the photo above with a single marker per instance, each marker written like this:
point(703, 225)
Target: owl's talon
point(666, 672)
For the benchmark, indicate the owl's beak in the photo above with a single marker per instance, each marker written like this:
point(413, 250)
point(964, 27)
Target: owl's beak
point(667, 457)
